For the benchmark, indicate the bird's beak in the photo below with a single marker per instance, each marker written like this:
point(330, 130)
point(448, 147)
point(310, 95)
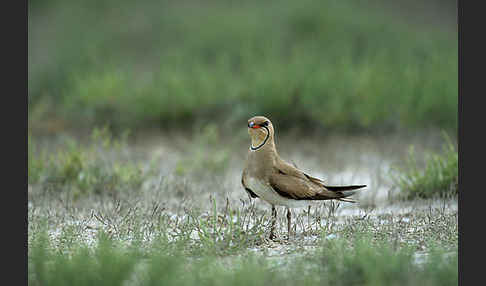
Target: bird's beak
point(251, 124)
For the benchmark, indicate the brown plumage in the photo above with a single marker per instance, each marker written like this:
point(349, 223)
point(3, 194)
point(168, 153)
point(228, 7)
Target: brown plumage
point(268, 177)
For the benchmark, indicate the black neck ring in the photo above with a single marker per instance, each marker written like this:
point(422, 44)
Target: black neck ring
point(264, 141)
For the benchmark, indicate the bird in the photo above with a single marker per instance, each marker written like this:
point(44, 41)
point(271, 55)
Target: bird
point(268, 177)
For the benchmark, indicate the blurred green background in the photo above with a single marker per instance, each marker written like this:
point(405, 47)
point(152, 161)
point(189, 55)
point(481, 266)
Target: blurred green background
point(337, 66)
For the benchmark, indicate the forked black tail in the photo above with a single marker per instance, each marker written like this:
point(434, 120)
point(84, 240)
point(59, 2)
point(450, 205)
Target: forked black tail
point(344, 188)
point(345, 191)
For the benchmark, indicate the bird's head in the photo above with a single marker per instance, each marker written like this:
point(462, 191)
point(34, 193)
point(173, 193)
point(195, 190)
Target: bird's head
point(261, 131)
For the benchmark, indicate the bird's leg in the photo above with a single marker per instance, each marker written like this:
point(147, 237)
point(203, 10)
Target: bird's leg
point(289, 220)
point(274, 220)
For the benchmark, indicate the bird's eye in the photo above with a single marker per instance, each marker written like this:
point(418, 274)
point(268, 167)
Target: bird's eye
point(264, 123)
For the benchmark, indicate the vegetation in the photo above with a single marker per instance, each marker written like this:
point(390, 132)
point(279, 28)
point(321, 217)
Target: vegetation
point(170, 210)
point(338, 66)
point(167, 226)
point(367, 262)
point(439, 177)
point(85, 168)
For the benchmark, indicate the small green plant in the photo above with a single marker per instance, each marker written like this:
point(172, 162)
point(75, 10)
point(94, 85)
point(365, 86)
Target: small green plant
point(228, 232)
point(89, 168)
point(439, 177)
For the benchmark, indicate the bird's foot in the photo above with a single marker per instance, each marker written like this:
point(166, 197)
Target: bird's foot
point(289, 236)
point(272, 236)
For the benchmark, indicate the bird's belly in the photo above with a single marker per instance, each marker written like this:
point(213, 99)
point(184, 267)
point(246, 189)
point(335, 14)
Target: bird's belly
point(266, 193)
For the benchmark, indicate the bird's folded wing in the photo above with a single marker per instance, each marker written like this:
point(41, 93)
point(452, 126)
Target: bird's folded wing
point(287, 169)
point(315, 180)
point(298, 189)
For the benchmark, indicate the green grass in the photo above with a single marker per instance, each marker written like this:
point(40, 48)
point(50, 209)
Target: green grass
point(85, 168)
point(438, 178)
point(341, 66)
point(365, 262)
point(379, 263)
